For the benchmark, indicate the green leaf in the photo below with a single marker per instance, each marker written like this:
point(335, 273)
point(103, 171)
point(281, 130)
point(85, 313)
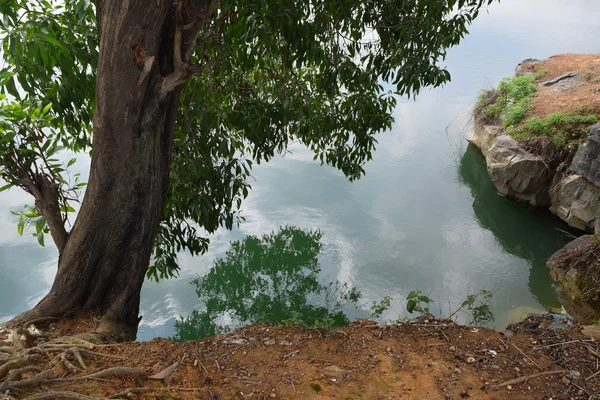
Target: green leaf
point(39, 225)
point(40, 239)
point(71, 162)
point(46, 109)
point(54, 41)
point(410, 306)
point(6, 187)
point(412, 295)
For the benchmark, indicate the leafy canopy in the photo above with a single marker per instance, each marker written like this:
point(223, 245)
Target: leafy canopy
point(324, 73)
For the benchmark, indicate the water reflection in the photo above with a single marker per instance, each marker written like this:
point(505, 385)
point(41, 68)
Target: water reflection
point(531, 234)
point(270, 279)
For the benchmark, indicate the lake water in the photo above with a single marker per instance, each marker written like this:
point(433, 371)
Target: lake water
point(426, 216)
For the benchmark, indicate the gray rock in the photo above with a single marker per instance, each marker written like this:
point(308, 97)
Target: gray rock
point(577, 201)
point(519, 70)
point(565, 77)
point(516, 172)
point(587, 159)
point(562, 271)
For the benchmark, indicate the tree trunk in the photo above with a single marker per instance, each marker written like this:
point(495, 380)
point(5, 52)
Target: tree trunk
point(103, 264)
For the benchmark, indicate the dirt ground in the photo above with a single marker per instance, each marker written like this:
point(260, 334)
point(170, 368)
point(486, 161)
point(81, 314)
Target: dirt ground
point(566, 98)
point(428, 359)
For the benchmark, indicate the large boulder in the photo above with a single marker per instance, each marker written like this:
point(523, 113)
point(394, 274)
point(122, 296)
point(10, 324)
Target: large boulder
point(587, 159)
point(516, 172)
point(566, 268)
point(576, 200)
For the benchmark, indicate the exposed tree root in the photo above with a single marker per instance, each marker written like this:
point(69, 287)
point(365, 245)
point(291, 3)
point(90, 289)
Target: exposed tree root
point(127, 372)
point(61, 395)
point(66, 353)
point(18, 363)
point(36, 379)
point(125, 392)
point(16, 374)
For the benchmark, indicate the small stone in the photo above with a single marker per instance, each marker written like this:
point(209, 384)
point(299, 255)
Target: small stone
point(566, 381)
point(574, 374)
point(494, 366)
point(457, 371)
point(273, 395)
point(517, 369)
point(470, 360)
point(270, 342)
point(452, 348)
point(131, 395)
point(196, 363)
point(509, 387)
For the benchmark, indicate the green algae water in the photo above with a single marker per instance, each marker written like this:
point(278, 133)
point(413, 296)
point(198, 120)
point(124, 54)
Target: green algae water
point(318, 250)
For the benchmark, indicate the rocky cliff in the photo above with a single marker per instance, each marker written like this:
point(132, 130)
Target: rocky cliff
point(540, 137)
point(573, 194)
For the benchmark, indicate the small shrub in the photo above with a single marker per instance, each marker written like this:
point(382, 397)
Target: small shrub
point(560, 128)
point(478, 306)
point(418, 302)
point(378, 308)
point(509, 103)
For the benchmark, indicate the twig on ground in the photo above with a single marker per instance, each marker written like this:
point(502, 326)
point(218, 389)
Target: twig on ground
point(532, 376)
point(593, 375)
point(563, 343)
point(526, 356)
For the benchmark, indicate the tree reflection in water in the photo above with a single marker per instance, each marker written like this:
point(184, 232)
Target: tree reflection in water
point(271, 279)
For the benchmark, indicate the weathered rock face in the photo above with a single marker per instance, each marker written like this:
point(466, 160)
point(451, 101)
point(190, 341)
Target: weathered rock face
point(522, 175)
point(576, 200)
point(587, 159)
point(564, 272)
point(516, 172)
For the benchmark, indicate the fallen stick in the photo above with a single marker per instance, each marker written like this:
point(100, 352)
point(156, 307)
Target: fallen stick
point(593, 375)
point(562, 343)
point(521, 351)
point(528, 377)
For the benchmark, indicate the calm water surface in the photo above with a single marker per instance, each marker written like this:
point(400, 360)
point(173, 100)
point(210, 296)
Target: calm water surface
point(426, 215)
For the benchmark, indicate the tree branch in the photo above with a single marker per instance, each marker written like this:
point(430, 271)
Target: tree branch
point(178, 40)
point(48, 206)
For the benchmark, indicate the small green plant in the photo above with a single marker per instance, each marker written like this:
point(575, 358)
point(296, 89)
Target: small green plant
point(378, 308)
point(418, 302)
point(324, 323)
point(294, 320)
point(559, 127)
point(478, 306)
point(510, 102)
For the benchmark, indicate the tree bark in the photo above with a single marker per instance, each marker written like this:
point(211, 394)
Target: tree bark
point(105, 258)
